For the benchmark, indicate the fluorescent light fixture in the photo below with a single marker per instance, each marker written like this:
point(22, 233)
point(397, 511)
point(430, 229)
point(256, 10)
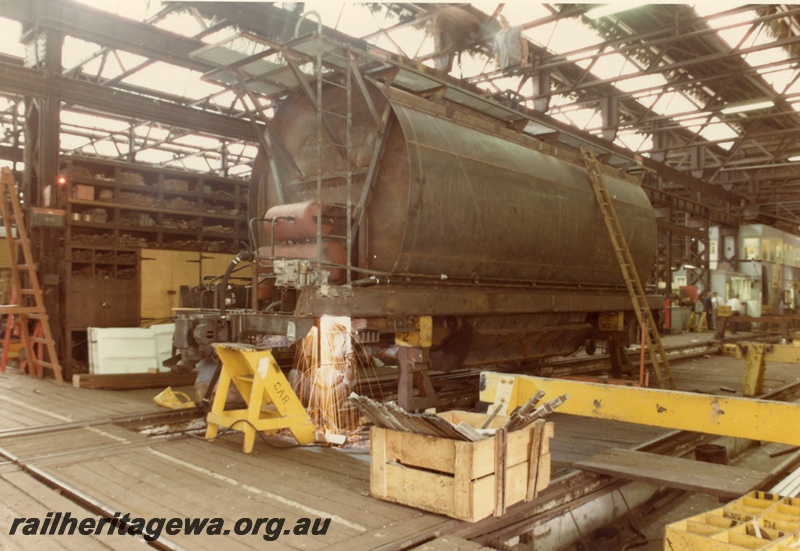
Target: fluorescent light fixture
point(749, 106)
point(610, 9)
point(794, 159)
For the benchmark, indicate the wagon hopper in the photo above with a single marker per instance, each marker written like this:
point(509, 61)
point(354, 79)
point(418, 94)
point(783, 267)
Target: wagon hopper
point(445, 238)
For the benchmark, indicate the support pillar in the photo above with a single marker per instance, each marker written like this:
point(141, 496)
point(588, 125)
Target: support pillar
point(41, 157)
point(414, 364)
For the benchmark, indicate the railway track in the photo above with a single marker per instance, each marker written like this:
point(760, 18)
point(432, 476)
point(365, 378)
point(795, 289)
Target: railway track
point(458, 389)
point(157, 428)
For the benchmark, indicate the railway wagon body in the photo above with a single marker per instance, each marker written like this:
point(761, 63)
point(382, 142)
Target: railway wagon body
point(447, 239)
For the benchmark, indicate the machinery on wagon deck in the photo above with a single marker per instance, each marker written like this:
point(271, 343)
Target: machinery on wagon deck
point(422, 220)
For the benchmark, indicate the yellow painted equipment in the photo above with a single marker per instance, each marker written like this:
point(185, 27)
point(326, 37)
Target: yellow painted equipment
point(756, 355)
point(698, 321)
point(272, 404)
point(755, 521)
point(738, 417)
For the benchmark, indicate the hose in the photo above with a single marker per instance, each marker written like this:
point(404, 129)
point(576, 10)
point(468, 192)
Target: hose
point(243, 256)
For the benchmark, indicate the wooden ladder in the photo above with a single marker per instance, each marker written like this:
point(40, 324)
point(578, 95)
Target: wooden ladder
point(30, 300)
point(652, 341)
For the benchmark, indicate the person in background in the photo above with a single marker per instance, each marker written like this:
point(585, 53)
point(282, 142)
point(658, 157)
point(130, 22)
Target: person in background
point(708, 310)
point(714, 307)
point(736, 310)
point(510, 47)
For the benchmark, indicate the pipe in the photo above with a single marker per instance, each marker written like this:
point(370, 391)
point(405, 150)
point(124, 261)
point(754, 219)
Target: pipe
point(243, 256)
point(303, 18)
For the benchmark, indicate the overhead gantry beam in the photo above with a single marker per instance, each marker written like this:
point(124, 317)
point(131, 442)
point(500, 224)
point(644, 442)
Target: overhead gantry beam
point(23, 81)
point(106, 29)
point(760, 420)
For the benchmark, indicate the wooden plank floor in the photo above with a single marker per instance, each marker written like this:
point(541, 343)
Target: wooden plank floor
point(188, 477)
point(29, 402)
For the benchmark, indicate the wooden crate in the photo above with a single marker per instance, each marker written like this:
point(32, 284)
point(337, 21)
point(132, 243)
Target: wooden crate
point(460, 479)
point(83, 191)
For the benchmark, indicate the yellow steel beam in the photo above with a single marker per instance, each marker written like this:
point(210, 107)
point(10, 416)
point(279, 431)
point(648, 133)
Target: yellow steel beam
point(738, 417)
point(756, 355)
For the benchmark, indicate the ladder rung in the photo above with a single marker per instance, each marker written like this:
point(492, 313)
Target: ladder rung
point(43, 363)
point(16, 309)
point(37, 315)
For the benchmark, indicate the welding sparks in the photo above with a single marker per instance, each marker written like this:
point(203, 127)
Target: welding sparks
point(325, 375)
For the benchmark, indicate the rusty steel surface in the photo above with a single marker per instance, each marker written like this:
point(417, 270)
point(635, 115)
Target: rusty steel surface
point(455, 199)
point(477, 205)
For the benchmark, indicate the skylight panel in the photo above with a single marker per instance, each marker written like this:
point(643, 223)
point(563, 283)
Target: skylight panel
point(221, 35)
point(107, 148)
point(75, 51)
point(11, 31)
point(154, 156)
point(70, 142)
point(519, 13)
point(778, 79)
point(151, 132)
point(86, 120)
point(354, 19)
point(245, 150)
point(180, 22)
point(613, 65)
point(584, 57)
point(138, 11)
point(782, 78)
point(571, 34)
point(171, 79)
point(111, 65)
point(240, 171)
point(541, 34)
point(410, 40)
point(717, 130)
point(634, 141)
point(203, 142)
point(198, 163)
point(581, 118)
point(732, 28)
point(473, 65)
point(674, 103)
point(643, 82)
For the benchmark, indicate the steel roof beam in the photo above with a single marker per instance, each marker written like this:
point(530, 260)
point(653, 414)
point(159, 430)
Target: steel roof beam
point(106, 29)
point(31, 82)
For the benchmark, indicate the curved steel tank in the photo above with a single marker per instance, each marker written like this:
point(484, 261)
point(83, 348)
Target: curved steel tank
point(455, 193)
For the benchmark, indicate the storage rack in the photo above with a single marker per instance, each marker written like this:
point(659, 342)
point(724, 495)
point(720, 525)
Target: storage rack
point(124, 205)
point(113, 211)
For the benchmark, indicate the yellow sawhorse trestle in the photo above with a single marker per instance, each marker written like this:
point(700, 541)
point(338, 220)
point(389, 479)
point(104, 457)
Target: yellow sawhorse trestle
point(698, 321)
point(272, 404)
